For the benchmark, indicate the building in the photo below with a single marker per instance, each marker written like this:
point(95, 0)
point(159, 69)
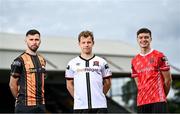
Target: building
point(58, 51)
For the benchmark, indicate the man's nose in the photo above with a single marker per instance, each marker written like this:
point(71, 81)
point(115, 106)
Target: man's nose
point(34, 41)
point(143, 38)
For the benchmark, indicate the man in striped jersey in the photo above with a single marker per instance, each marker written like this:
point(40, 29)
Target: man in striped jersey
point(27, 77)
point(88, 78)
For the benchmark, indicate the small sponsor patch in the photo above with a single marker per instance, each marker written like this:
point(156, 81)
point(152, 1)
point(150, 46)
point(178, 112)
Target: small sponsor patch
point(164, 58)
point(16, 63)
point(77, 64)
point(106, 66)
point(68, 67)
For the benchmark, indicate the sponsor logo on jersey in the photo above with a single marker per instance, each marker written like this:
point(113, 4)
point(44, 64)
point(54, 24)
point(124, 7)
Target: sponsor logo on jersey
point(38, 70)
point(96, 63)
point(146, 69)
point(87, 69)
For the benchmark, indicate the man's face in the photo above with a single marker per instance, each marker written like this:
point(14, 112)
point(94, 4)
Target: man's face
point(144, 40)
point(33, 42)
point(86, 45)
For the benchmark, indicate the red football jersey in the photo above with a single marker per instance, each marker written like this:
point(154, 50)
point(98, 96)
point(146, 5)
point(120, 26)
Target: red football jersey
point(147, 68)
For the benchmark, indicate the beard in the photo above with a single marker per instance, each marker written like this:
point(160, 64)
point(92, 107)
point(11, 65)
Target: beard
point(33, 48)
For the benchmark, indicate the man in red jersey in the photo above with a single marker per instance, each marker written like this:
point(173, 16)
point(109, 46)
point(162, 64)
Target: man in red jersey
point(151, 72)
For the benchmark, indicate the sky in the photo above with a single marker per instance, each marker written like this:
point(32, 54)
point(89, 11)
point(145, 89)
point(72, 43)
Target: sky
point(116, 20)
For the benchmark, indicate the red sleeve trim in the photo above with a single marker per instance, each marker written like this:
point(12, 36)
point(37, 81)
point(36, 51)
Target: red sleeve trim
point(165, 68)
point(134, 75)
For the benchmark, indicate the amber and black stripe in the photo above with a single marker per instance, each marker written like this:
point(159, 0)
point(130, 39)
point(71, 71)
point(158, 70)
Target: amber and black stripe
point(32, 80)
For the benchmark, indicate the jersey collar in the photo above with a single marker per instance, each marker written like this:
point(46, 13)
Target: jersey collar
point(86, 59)
point(146, 53)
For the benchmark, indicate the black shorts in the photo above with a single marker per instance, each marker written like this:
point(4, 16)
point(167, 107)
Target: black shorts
point(159, 107)
point(20, 108)
point(94, 110)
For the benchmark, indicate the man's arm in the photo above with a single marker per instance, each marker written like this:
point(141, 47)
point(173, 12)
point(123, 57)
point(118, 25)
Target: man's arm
point(167, 81)
point(106, 85)
point(13, 84)
point(70, 86)
point(136, 81)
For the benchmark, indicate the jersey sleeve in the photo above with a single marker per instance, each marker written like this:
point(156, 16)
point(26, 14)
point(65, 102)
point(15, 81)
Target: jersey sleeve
point(69, 73)
point(16, 68)
point(163, 63)
point(133, 71)
point(106, 71)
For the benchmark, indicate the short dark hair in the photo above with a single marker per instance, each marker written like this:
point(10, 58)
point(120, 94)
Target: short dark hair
point(86, 34)
point(33, 32)
point(143, 30)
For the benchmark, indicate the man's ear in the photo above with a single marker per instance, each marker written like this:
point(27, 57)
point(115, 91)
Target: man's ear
point(25, 40)
point(39, 41)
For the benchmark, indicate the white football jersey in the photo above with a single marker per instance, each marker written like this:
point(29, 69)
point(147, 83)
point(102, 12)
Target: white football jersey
point(88, 81)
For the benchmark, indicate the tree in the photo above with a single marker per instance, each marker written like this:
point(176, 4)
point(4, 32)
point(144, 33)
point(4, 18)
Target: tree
point(129, 93)
point(174, 103)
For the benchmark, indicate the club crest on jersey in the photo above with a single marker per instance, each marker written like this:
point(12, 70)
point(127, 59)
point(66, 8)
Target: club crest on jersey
point(42, 63)
point(151, 60)
point(96, 63)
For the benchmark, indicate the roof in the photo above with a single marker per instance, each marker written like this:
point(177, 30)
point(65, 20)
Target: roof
point(67, 45)
point(59, 50)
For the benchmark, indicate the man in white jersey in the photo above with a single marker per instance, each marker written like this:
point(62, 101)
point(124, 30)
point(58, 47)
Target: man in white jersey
point(88, 78)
